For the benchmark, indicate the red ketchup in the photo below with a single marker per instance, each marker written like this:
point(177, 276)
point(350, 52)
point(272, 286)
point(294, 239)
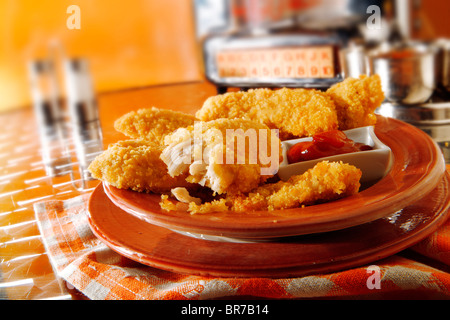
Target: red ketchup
point(324, 144)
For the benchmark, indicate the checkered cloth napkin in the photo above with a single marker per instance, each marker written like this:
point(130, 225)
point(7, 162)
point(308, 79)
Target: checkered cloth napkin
point(100, 273)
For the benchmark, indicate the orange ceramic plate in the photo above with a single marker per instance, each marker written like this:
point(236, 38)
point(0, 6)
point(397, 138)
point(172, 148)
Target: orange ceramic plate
point(292, 256)
point(418, 166)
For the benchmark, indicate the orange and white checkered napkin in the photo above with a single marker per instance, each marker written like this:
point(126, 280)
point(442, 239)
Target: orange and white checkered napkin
point(100, 273)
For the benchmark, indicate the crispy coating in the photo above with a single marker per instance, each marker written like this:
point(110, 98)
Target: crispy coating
point(326, 181)
point(152, 124)
point(218, 205)
point(135, 165)
point(218, 155)
point(295, 112)
point(356, 101)
point(302, 112)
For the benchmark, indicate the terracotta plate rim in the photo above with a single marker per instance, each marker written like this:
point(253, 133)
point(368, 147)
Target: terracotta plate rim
point(156, 255)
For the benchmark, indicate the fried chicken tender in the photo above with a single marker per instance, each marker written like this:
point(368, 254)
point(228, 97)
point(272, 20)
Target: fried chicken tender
point(135, 165)
point(152, 124)
point(302, 112)
point(326, 181)
point(295, 112)
point(356, 101)
point(226, 155)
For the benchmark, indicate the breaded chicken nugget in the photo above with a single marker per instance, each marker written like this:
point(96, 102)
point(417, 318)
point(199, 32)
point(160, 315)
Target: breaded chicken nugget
point(326, 181)
point(356, 101)
point(295, 112)
point(226, 155)
point(152, 124)
point(135, 165)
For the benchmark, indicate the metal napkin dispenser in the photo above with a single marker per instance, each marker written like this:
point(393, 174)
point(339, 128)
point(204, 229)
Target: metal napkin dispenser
point(272, 61)
point(285, 43)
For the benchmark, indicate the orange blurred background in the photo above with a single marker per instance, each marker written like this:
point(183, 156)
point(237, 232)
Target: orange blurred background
point(129, 43)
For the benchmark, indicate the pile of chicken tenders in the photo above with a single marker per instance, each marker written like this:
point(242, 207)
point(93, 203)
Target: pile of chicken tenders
point(197, 165)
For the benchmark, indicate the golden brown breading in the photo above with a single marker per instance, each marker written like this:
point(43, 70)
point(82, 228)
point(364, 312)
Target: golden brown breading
point(218, 155)
point(218, 205)
point(135, 165)
point(356, 101)
point(326, 181)
point(295, 112)
point(302, 112)
point(152, 124)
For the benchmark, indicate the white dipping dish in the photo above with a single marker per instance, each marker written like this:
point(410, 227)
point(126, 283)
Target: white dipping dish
point(374, 164)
